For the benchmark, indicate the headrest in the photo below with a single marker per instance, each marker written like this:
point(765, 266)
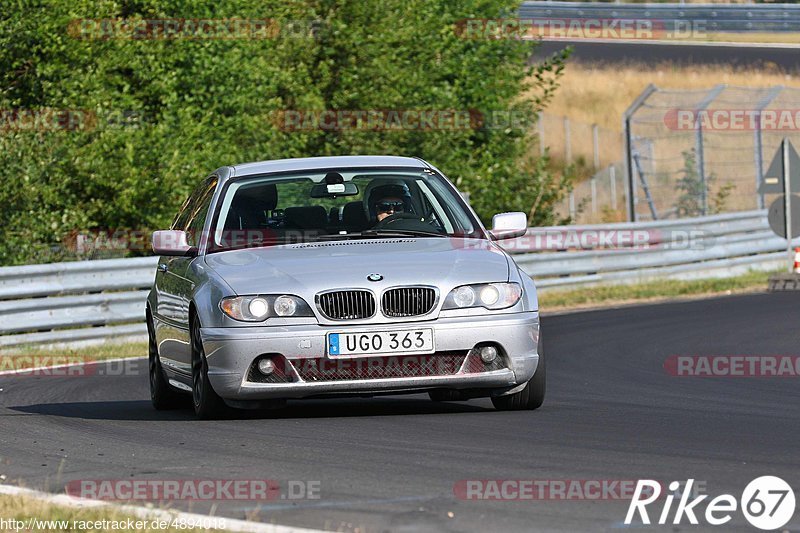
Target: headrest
point(263, 197)
point(308, 217)
point(353, 216)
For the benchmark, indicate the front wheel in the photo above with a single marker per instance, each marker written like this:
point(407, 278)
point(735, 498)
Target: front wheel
point(532, 396)
point(207, 404)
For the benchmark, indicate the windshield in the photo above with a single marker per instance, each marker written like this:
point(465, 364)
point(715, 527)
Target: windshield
point(341, 204)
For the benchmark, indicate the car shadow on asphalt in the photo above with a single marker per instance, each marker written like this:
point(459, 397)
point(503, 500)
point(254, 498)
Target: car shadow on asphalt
point(330, 408)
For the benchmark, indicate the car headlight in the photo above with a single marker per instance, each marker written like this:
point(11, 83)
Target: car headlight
point(258, 308)
point(488, 295)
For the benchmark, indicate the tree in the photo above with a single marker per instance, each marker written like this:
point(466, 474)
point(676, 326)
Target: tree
point(161, 113)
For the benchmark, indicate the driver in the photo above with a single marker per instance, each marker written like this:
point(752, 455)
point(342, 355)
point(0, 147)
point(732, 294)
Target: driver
point(386, 200)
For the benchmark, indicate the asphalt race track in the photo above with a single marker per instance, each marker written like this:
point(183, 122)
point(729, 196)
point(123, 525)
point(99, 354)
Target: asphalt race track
point(740, 56)
point(390, 463)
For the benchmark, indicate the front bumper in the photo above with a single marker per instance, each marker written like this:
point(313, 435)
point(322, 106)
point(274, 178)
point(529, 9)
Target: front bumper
point(231, 352)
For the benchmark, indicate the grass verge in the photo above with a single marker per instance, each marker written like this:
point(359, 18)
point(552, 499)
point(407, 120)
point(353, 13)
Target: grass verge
point(30, 514)
point(651, 291)
point(32, 357)
point(751, 37)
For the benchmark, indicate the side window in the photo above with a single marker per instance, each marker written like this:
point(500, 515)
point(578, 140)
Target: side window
point(183, 214)
point(188, 207)
point(198, 210)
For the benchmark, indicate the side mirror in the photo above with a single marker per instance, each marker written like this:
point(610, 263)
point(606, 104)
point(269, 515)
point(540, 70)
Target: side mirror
point(172, 242)
point(508, 226)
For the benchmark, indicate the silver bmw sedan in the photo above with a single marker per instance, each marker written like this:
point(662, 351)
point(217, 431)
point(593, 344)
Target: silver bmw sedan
point(331, 276)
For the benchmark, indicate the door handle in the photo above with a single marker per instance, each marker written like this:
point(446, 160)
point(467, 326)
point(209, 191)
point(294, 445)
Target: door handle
point(162, 267)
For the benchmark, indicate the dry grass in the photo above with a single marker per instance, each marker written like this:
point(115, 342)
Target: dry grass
point(652, 291)
point(754, 37)
point(599, 94)
point(22, 358)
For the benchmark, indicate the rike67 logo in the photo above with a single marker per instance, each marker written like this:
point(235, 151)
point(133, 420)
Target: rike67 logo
point(767, 502)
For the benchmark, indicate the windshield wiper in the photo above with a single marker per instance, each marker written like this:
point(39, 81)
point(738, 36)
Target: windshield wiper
point(395, 233)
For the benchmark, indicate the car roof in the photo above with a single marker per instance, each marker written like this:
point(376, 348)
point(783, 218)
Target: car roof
point(318, 163)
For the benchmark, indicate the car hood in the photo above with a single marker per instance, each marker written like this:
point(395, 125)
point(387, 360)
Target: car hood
point(313, 267)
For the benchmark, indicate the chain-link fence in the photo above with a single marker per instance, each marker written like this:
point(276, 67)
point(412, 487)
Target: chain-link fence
point(574, 142)
point(694, 153)
point(593, 154)
point(601, 198)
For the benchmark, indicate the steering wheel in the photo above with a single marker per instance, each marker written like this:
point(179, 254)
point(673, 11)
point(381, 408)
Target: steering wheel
point(396, 220)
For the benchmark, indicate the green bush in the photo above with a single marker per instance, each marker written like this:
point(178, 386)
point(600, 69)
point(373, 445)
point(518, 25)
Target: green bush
point(162, 113)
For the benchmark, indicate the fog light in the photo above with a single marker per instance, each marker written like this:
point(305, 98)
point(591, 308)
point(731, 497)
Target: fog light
point(488, 354)
point(266, 366)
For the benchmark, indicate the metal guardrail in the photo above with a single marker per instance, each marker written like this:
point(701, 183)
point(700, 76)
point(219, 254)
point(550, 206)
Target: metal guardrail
point(703, 247)
point(96, 300)
point(71, 302)
point(716, 17)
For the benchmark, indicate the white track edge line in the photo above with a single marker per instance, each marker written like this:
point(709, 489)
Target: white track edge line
point(231, 524)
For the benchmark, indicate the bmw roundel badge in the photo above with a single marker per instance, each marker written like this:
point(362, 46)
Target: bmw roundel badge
point(374, 277)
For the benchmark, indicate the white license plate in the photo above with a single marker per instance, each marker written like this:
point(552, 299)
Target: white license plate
point(381, 342)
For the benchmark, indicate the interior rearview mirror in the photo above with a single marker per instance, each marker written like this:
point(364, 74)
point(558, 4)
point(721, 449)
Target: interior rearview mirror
point(331, 190)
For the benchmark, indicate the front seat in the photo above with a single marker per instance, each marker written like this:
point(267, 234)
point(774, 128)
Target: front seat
point(251, 206)
point(246, 223)
point(306, 218)
point(353, 217)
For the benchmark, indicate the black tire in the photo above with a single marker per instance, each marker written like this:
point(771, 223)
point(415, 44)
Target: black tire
point(532, 396)
point(162, 394)
point(207, 404)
